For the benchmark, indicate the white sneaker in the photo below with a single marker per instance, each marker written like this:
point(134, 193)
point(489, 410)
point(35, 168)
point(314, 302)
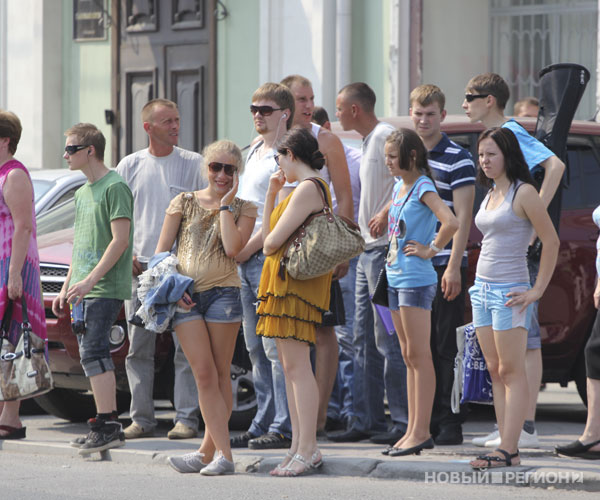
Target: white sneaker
point(492, 440)
point(482, 441)
point(219, 466)
point(190, 462)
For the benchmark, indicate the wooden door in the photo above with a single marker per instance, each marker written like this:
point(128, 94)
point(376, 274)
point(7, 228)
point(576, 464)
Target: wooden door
point(166, 49)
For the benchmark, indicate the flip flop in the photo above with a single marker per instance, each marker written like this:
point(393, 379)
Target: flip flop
point(13, 432)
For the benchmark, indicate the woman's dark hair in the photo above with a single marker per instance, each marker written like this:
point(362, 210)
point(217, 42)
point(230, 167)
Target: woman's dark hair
point(406, 140)
point(514, 162)
point(303, 146)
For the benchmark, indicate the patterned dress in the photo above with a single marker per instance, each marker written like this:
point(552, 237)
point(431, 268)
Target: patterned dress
point(30, 272)
point(290, 308)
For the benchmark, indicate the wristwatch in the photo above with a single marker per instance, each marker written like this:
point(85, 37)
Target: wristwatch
point(222, 208)
point(434, 248)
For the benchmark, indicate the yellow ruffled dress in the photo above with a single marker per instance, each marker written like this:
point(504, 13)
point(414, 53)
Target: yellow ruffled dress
point(290, 308)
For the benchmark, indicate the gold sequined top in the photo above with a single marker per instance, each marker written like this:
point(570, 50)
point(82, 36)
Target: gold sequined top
point(199, 246)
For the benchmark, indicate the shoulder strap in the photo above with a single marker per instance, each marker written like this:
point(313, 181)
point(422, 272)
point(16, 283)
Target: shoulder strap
point(517, 186)
point(253, 150)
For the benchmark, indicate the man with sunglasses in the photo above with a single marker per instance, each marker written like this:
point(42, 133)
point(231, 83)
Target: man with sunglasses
point(156, 175)
point(272, 111)
point(485, 99)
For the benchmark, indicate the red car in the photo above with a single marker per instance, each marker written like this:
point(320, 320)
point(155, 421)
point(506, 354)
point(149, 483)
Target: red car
point(567, 308)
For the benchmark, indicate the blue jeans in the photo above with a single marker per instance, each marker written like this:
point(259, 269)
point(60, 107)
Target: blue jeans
point(340, 403)
point(272, 414)
point(378, 362)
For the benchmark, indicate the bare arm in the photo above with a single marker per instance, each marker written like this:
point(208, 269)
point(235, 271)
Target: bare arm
point(554, 171)
point(119, 243)
point(305, 200)
point(254, 245)
point(463, 208)
point(18, 194)
point(168, 233)
point(331, 147)
point(532, 207)
point(234, 235)
point(449, 226)
point(379, 221)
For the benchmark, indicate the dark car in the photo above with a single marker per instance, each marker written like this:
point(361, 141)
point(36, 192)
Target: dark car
point(567, 308)
point(71, 399)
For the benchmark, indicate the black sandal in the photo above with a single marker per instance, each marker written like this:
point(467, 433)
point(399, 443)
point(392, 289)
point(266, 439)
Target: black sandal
point(498, 461)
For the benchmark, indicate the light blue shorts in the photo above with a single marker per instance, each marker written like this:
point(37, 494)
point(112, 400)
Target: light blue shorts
point(216, 305)
point(488, 299)
point(418, 296)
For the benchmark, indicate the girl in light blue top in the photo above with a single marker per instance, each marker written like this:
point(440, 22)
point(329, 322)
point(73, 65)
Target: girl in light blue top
point(412, 280)
point(501, 296)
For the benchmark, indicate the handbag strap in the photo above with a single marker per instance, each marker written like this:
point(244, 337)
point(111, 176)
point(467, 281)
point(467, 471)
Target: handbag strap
point(322, 192)
point(391, 235)
point(25, 325)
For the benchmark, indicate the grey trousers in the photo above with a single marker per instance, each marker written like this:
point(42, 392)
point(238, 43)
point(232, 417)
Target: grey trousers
point(140, 372)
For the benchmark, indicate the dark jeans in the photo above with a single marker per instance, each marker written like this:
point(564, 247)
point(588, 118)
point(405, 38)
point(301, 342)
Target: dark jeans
point(446, 316)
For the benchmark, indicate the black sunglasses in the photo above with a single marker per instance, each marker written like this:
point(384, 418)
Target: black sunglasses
point(472, 97)
point(263, 110)
point(216, 167)
point(71, 150)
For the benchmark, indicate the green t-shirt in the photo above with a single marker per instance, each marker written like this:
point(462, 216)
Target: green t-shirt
point(96, 205)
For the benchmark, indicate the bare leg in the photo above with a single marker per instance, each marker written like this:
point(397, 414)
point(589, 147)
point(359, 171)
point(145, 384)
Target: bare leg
point(326, 369)
point(591, 432)
point(207, 353)
point(9, 415)
point(104, 388)
point(410, 378)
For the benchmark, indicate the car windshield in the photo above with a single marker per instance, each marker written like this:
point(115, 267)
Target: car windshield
point(40, 187)
point(59, 217)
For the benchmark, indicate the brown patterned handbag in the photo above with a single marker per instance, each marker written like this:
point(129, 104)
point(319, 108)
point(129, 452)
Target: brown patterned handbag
point(323, 241)
point(24, 371)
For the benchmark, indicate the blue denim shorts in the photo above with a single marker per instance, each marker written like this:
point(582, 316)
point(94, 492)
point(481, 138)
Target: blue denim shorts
point(99, 316)
point(217, 305)
point(488, 299)
point(419, 296)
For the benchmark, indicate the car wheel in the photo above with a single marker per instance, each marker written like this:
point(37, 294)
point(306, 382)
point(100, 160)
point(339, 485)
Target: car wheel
point(244, 398)
point(75, 406)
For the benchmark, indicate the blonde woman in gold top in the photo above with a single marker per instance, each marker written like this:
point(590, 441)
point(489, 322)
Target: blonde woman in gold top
point(211, 226)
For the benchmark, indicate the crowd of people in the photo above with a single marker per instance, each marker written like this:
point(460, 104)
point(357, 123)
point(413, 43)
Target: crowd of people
point(226, 221)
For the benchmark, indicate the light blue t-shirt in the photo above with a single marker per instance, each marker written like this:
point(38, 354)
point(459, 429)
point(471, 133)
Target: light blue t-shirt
point(533, 150)
point(596, 219)
point(412, 271)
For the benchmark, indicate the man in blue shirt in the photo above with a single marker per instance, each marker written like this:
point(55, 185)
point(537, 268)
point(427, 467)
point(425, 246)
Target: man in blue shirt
point(485, 99)
point(454, 174)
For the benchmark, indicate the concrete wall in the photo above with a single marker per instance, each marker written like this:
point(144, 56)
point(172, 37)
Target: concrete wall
point(455, 45)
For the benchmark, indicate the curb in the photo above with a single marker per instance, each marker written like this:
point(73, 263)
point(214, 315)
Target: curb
point(577, 475)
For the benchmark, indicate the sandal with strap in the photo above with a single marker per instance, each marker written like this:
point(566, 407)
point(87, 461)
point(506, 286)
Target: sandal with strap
point(316, 460)
point(277, 471)
point(494, 461)
point(289, 472)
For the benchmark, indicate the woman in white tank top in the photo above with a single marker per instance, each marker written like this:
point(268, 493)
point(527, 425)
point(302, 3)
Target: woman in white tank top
point(501, 297)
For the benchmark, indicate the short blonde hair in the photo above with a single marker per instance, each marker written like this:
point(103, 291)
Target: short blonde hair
point(150, 106)
point(224, 146)
point(89, 135)
point(427, 94)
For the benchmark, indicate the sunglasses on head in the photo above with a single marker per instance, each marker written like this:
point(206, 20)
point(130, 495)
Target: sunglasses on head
point(71, 150)
point(216, 167)
point(263, 110)
point(472, 97)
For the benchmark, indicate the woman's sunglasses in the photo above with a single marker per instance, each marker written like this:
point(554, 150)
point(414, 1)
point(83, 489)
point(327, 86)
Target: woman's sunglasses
point(216, 167)
point(263, 110)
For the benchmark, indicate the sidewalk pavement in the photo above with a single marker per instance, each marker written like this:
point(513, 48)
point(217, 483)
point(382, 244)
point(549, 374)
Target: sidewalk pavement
point(444, 464)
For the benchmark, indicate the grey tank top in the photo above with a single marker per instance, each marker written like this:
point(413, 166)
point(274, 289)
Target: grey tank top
point(506, 236)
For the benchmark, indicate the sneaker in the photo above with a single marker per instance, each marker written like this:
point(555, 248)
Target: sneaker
point(181, 431)
point(268, 441)
point(190, 462)
point(78, 442)
point(526, 440)
point(108, 435)
point(481, 441)
point(241, 440)
point(218, 467)
point(135, 431)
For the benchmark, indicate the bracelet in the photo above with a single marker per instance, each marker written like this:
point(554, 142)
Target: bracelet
point(222, 208)
point(434, 248)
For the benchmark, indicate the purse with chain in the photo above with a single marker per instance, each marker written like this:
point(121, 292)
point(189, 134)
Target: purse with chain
point(24, 371)
point(323, 241)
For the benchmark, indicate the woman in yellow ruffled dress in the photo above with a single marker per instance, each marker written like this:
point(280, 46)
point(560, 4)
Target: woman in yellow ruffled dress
point(290, 309)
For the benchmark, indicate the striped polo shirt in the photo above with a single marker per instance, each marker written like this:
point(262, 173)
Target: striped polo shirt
point(452, 167)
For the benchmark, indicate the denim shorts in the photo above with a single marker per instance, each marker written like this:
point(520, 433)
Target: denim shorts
point(216, 305)
point(418, 296)
point(488, 299)
point(99, 315)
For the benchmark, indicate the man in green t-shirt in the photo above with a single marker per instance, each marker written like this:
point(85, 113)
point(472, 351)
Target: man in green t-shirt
point(99, 277)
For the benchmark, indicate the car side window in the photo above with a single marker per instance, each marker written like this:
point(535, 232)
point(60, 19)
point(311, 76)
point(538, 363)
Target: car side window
point(583, 163)
point(67, 195)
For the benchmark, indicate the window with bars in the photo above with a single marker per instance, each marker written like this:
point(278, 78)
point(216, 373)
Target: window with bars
point(527, 35)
